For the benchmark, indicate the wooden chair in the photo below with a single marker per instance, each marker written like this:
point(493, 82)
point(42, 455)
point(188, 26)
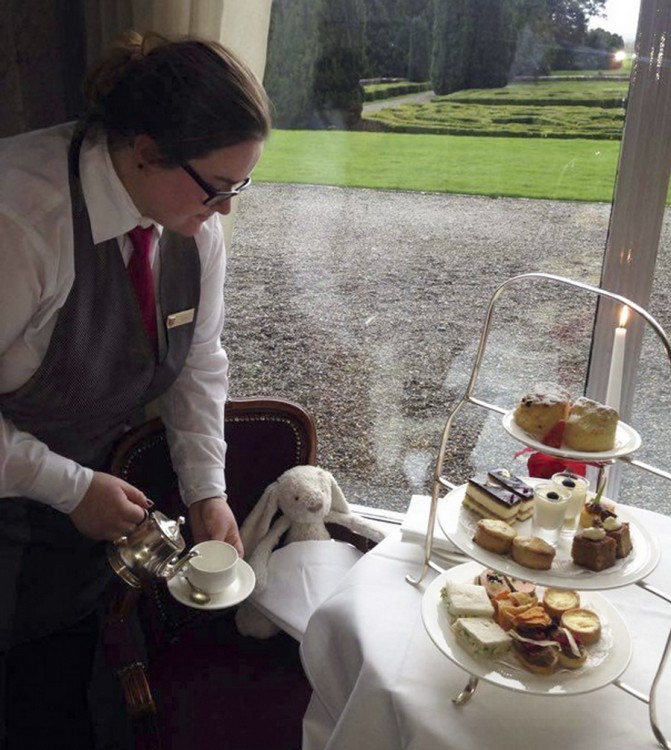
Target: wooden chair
point(197, 677)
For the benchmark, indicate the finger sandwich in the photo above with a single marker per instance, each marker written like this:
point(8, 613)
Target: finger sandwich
point(466, 600)
point(482, 638)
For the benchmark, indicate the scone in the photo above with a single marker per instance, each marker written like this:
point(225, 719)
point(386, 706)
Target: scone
point(542, 408)
point(533, 552)
point(590, 426)
point(494, 535)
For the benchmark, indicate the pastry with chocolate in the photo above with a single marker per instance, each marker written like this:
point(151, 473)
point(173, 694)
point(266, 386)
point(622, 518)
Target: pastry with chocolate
point(490, 500)
point(519, 488)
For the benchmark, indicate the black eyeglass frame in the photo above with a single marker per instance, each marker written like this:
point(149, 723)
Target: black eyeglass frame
point(214, 197)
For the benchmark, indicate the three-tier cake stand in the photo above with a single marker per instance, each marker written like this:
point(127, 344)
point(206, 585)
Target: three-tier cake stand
point(647, 559)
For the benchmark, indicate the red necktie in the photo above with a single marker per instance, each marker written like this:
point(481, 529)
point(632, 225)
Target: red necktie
point(139, 268)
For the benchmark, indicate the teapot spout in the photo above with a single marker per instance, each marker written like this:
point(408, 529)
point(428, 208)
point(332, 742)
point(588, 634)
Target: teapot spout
point(170, 571)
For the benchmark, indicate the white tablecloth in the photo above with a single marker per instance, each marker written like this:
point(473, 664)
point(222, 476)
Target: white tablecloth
point(380, 683)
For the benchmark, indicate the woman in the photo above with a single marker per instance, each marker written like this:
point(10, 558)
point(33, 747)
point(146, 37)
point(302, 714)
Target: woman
point(111, 281)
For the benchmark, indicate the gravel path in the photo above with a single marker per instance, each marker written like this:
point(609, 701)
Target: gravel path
point(366, 307)
point(420, 98)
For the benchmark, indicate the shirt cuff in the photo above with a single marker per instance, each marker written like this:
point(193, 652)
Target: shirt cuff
point(61, 483)
point(199, 484)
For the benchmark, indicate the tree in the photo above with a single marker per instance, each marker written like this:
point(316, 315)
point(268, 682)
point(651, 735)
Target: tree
point(567, 20)
point(388, 35)
point(419, 53)
point(600, 49)
point(315, 61)
point(337, 93)
point(292, 53)
point(473, 43)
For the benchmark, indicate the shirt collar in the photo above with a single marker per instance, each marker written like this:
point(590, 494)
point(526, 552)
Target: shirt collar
point(111, 210)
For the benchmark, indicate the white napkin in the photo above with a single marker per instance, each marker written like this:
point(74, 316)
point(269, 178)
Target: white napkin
point(416, 522)
point(301, 575)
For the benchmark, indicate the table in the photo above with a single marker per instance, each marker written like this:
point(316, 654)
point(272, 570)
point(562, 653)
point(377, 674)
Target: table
point(379, 682)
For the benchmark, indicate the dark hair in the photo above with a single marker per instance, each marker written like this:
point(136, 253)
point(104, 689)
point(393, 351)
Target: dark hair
point(191, 96)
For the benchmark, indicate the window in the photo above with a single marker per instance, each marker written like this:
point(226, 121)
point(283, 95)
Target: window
point(365, 305)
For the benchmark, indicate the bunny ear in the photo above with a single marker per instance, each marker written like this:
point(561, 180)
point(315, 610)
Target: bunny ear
point(338, 502)
point(257, 523)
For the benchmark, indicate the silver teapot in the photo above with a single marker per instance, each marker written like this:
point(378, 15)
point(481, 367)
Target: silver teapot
point(150, 551)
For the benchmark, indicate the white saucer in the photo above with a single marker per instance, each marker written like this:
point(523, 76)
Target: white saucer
point(238, 591)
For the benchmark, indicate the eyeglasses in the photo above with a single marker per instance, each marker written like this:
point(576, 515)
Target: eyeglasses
point(215, 197)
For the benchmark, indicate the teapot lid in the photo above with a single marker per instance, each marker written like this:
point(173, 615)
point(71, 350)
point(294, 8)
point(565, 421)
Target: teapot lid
point(167, 526)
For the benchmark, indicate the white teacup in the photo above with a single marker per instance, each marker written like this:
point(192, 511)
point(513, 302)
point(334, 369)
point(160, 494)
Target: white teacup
point(214, 568)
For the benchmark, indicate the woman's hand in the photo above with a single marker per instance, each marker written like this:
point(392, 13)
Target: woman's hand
point(110, 508)
point(213, 519)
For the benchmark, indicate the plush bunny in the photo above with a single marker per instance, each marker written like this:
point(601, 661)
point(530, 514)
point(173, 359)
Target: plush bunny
point(307, 497)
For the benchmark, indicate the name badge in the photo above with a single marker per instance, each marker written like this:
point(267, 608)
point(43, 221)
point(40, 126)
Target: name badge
point(180, 318)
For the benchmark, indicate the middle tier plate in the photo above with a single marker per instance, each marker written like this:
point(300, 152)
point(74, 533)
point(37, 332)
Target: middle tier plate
point(458, 524)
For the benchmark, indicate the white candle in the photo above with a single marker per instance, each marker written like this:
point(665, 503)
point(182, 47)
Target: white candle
point(617, 362)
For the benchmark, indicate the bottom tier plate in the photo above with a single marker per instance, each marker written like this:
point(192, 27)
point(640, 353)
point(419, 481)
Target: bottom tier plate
point(607, 661)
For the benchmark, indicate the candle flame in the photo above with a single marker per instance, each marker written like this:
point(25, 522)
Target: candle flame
point(624, 316)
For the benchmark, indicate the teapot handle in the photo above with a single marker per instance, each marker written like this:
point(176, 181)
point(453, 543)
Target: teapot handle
point(171, 570)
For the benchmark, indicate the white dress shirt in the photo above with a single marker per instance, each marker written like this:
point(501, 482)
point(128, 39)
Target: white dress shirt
point(36, 275)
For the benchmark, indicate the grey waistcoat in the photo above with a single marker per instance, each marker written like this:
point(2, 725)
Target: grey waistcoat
point(98, 370)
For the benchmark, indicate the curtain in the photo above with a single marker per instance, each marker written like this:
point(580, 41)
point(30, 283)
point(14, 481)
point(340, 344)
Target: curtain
point(42, 61)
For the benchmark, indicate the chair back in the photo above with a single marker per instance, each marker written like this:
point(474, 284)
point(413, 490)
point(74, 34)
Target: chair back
point(264, 438)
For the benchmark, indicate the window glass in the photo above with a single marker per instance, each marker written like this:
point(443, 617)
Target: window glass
point(366, 254)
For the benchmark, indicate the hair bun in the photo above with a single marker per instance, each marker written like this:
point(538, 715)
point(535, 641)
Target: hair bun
point(126, 50)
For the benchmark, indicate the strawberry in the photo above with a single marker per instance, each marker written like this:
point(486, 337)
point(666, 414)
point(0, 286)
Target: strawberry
point(555, 436)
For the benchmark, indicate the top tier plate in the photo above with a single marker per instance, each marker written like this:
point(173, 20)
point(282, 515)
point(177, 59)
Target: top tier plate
point(627, 440)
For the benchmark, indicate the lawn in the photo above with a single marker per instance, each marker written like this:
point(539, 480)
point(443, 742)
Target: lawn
point(551, 139)
point(572, 169)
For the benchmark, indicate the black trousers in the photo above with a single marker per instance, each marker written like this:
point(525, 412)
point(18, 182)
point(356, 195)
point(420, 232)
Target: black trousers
point(46, 690)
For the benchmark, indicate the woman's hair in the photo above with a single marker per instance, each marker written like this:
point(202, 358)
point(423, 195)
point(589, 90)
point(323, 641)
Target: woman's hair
point(191, 96)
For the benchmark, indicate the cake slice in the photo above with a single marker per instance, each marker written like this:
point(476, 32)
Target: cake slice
point(619, 531)
point(593, 549)
point(482, 638)
point(490, 500)
point(519, 488)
